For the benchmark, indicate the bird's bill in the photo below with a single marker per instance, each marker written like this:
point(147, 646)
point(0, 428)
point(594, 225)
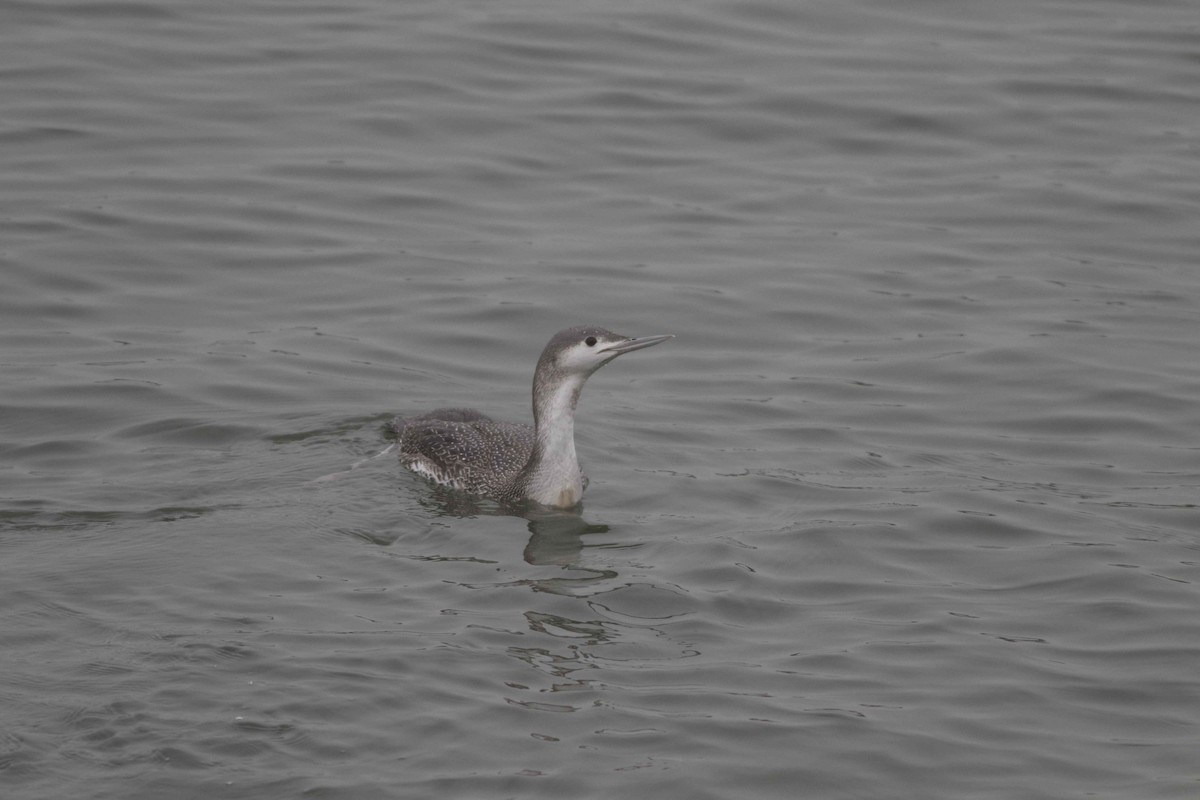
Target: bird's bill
point(629, 345)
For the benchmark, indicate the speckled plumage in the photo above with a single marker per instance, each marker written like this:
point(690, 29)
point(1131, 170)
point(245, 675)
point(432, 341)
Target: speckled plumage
point(465, 449)
point(510, 462)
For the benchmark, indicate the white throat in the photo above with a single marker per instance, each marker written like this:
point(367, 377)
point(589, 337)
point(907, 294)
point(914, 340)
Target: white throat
point(556, 479)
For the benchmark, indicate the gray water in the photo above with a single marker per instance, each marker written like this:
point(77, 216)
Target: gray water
point(907, 509)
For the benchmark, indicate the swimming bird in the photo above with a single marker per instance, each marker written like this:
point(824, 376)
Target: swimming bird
point(510, 462)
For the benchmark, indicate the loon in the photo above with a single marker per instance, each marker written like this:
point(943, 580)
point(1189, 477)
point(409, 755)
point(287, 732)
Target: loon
point(514, 463)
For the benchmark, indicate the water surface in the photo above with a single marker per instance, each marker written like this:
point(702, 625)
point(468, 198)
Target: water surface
point(910, 501)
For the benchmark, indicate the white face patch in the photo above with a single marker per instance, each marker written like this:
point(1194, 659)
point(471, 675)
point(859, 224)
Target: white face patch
point(582, 358)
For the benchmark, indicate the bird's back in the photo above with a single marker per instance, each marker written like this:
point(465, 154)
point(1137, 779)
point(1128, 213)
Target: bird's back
point(465, 449)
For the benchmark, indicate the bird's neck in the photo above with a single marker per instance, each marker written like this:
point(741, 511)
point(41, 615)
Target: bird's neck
point(554, 478)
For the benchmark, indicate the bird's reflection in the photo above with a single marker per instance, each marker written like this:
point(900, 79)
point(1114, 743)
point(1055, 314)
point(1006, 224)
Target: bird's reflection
point(555, 536)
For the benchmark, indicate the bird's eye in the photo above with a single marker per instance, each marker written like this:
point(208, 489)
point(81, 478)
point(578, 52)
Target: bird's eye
point(590, 341)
